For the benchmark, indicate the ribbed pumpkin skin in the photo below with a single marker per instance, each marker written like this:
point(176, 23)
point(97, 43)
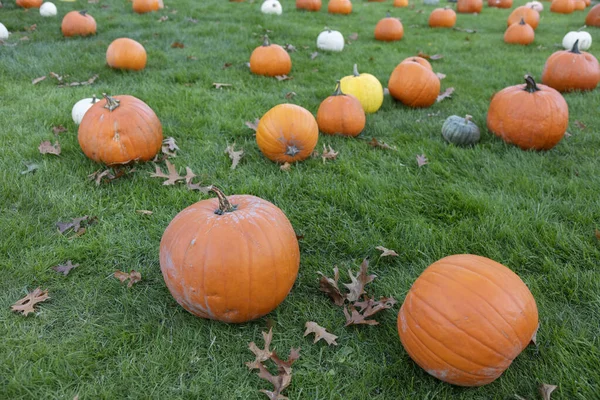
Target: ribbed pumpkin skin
point(566, 71)
point(78, 23)
point(466, 318)
point(593, 16)
point(287, 133)
point(414, 85)
point(419, 60)
point(127, 54)
point(29, 3)
point(366, 88)
point(469, 6)
point(442, 18)
point(520, 33)
point(343, 7)
point(460, 131)
point(389, 29)
point(562, 6)
point(341, 114)
point(270, 60)
point(233, 267)
point(131, 132)
point(531, 16)
point(144, 6)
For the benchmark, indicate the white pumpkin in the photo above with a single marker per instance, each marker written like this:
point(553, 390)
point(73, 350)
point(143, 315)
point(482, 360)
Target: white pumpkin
point(536, 5)
point(585, 40)
point(81, 107)
point(271, 7)
point(330, 40)
point(3, 32)
point(48, 9)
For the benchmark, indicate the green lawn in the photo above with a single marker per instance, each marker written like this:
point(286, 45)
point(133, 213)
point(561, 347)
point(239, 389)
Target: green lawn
point(534, 212)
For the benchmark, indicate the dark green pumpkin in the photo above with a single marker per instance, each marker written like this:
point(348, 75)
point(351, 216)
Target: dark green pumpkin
point(460, 131)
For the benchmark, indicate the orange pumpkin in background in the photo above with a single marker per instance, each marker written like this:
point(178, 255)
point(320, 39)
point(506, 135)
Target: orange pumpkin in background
point(308, 5)
point(400, 3)
point(144, 6)
point(466, 318)
point(341, 114)
point(593, 16)
point(339, 7)
point(232, 259)
point(520, 33)
point(579, 5)
point(414, 85)
point(126, 54)
point(531, 16)
point(469, 6)
point(270, 60)
point(78, 23)
point(120, 130)
point(442, 18)
point(389, 29)
point(29, 3)
point(419, 60)
point(568, 70)
point(500, 3)
point(562, 6)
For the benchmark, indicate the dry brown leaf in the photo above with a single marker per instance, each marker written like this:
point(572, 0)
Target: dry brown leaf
point(382, 145)
point(422, 160)
point(133, 276)
point(534, 337)
point(144, 212)
point(290, 48)
point(597, 233)
point(38, 80)
point(546, 390)
point(252, 125)
point(75, 224)
point(56, 76)
point(386, 252)
point(330, 286)
point(24, 38)
point(84, 83)
point(279, 382)
point(99, 175)
point(369, 307)
point(314, 55)
point(26, 304)
point(440, 75)
point(163, 18)
point(65, 268)
point(290, 95)
point(177, 45)
point(221, 85)
point(58, 129)
point(235, 156)
point(169, 147)
point(286, 166)
point(580, 125)
point(286, 366)
point(261, 354)
point(283, 77)
point(196, 186)
point(328, 154)
point(357, 286)
point(353, 36)
point(48, 148)
point(445, 94)
point(31, 167)
point(172, 176)
point(320, 333)
point(355, 318)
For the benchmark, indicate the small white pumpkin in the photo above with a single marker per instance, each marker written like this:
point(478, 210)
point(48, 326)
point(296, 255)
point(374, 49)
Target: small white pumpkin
point(48, 9)
point(585, 40)
point(271, 7)
point(81, 107)
point(3, 32)
point(330, 40)
point(536, 5)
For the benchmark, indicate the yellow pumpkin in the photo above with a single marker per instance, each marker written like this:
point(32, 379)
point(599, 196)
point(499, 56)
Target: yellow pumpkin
point(366, 88)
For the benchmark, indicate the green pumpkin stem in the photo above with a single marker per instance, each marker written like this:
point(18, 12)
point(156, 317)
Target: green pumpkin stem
point(83, 12)
point(575, 48)
point(355, 71)
point(338, 89)
point(530, 85)
point(111, 103)
point(468, 118)
point(224, 205)
point(266, 42)
point(582, 28)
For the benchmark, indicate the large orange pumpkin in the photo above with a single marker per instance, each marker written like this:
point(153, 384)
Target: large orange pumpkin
point(442, 18)
point(339, 7)
point(519, 33)
point(287, 133)
point(144, 6)
point(308, 5)
point(568, 70)
point(413, 84)
point(29, 3)
point(270, 60)
point(389, 29)
point(341, 114)
point(469, 6)
point(120, 130)
point(531, 16)
point(124, 53)
point(232, 259)
point(562, 6)
point(593, 16)
point(78, 23)
point(530, 116)
point(466, 318)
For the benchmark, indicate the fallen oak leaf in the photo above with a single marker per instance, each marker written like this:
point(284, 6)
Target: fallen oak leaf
point(580, 125)
point(320, 333)
point(58, 129)
point(144, 212)
point(357, 286)
point(279, 382)
point(221, 85)
point(65, 268)
point(227, 65)
point(314, 55)
point(445, 94)
point(369, 307)
point(26, 305)
point(328, 154)
point(283, 77)
point(172, 176)
point(169, 144)
point(200, 188)
point(31, 167)
point(440, 75)
point(285, 166)
point(48, 148)
point(546, 390)
point(422, 160)
point(133, 276)
point(235, 156)
point(290, 95)
point(99, 175)
point(382, 145)
point(386, 252)
point(252, 125)
point(286, 366)
point(261, 354)
point(163, 18)
point(330, 287)
point(38, 80)
point(355, 318)
point(290, 48)
point(56, 76)
point(74, 224)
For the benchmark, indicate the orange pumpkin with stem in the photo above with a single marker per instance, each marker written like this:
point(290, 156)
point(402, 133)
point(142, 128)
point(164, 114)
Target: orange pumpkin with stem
point(442, 18)
point(120, 130)
point(270, 60)
point(500, 3)
point(308, 5)
point(531, 16)
point(400, 3)
point(569, 70)
point(414, 85)
point(287, 133)
point(531, 116)
point(124, 53)
point(341, 114)
point(389, 29)
point(78, 23)
point(339, 7)
point(469, 6)
point(520, 33)
point(466, 318)
point(29, 3)
point(232, 259)
point(144, 6)
point(562, 6)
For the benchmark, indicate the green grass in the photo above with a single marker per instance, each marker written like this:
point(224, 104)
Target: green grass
point(534, 212)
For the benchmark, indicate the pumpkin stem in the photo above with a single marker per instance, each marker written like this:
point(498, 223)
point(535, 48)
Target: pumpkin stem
point(111, 102)
point(83, 12)
point(266, 42)
point(355, 70)
point(522, 22)
point(468, 118)
point(582, 28)
point(327, 29)
point(94, 99)
point(292, 150)
point(575, 48)
point(530, 85)
point(338, 89)
point(388, 14)
point(224, 204)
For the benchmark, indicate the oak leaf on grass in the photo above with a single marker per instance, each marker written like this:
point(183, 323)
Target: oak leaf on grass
point(133, 277)
point(26, 304)
point(65, 268)
point(48, 148)
point(235, 156)
point(320, 333)
point(546, 390)
point(386, 252)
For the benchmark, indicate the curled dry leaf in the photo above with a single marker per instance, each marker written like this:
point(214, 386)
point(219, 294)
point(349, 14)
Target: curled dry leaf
point(169, 147)
point(56, 76)
point(109, 174)
point(75, 224)
point(580, 125)
point(58, 129)
point(328, 154)
point(369, 307)
point(314, 55)
point(546, 390)
point(26, 304)
point(133, 276)
point(285, 166)
point(31, 167)
point(320, 333)
point(357, 285)
point(422, 160)
point(445, 94)
point(290, 48)
point(144, 212)
point(440, 75)
point(330, 287)
point(38, 80)
point(355, 318)
point(381, 145)
point(65, 268)
point(261, 354)
point(283, 77)
point(252, 124)
point(386, 252)
point(235, 156)
point(48, 148)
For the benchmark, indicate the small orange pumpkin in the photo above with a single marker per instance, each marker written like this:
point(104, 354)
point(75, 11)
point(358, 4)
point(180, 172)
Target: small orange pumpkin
point(232, 259)
point(339, 7)
point(270, 60)
point(400, 3)
point(469, 6)
point(389, 29)
point(531, 116)
point(144, 6)
point(78, 23)
point(120, 130)
point(593, 16)
point(466, 318)
point(579, 5)
point(562, 6)
point(414, 84)
point(531, 16)
point(287, 133)
point(308, 5)
point(341, 114)
point(569, 70)
point(520, 33)
point(124, 53)
point(29, 3)
point(442, 18)
point(500, 3)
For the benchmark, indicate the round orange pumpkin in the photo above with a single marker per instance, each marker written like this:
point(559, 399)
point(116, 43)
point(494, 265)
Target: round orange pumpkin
point(120, 130)
point(341, 114)
point(500, 3)
point(400, 3)
point(569, 70)
point(593, 16)
point(270, 60)
point(308, 5)
point(466, 318)
point(531, 16)
point(414, 84)
point(389, 29)
point(29, 3)
point(339, 7)
point(531, 116)
point(144, 6)
point(442, 18)
point(419, 60)
point(124, 53)
point(562, 6)
point(232, 259)
point(519, 33)
point(78, 23)
point(579, 5)
point(287, 133)
point(469, 6)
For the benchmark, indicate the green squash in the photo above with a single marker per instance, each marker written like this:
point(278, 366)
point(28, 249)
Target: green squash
point(460, 131)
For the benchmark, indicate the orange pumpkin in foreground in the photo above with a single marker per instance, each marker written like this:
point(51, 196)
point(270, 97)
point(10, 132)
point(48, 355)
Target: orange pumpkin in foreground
point(341, 114)
point(29, 3)
point(124, 53)
point(466, 318)
point(270, 60)
point(78, 23)
point(414, 85)
point(593, 16)
point(287, 133)
point(120, 130)
point(232, 259)
point(144, 6)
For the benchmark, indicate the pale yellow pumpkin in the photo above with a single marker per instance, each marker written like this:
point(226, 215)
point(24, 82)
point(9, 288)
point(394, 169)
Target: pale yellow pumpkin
point(366, 88)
